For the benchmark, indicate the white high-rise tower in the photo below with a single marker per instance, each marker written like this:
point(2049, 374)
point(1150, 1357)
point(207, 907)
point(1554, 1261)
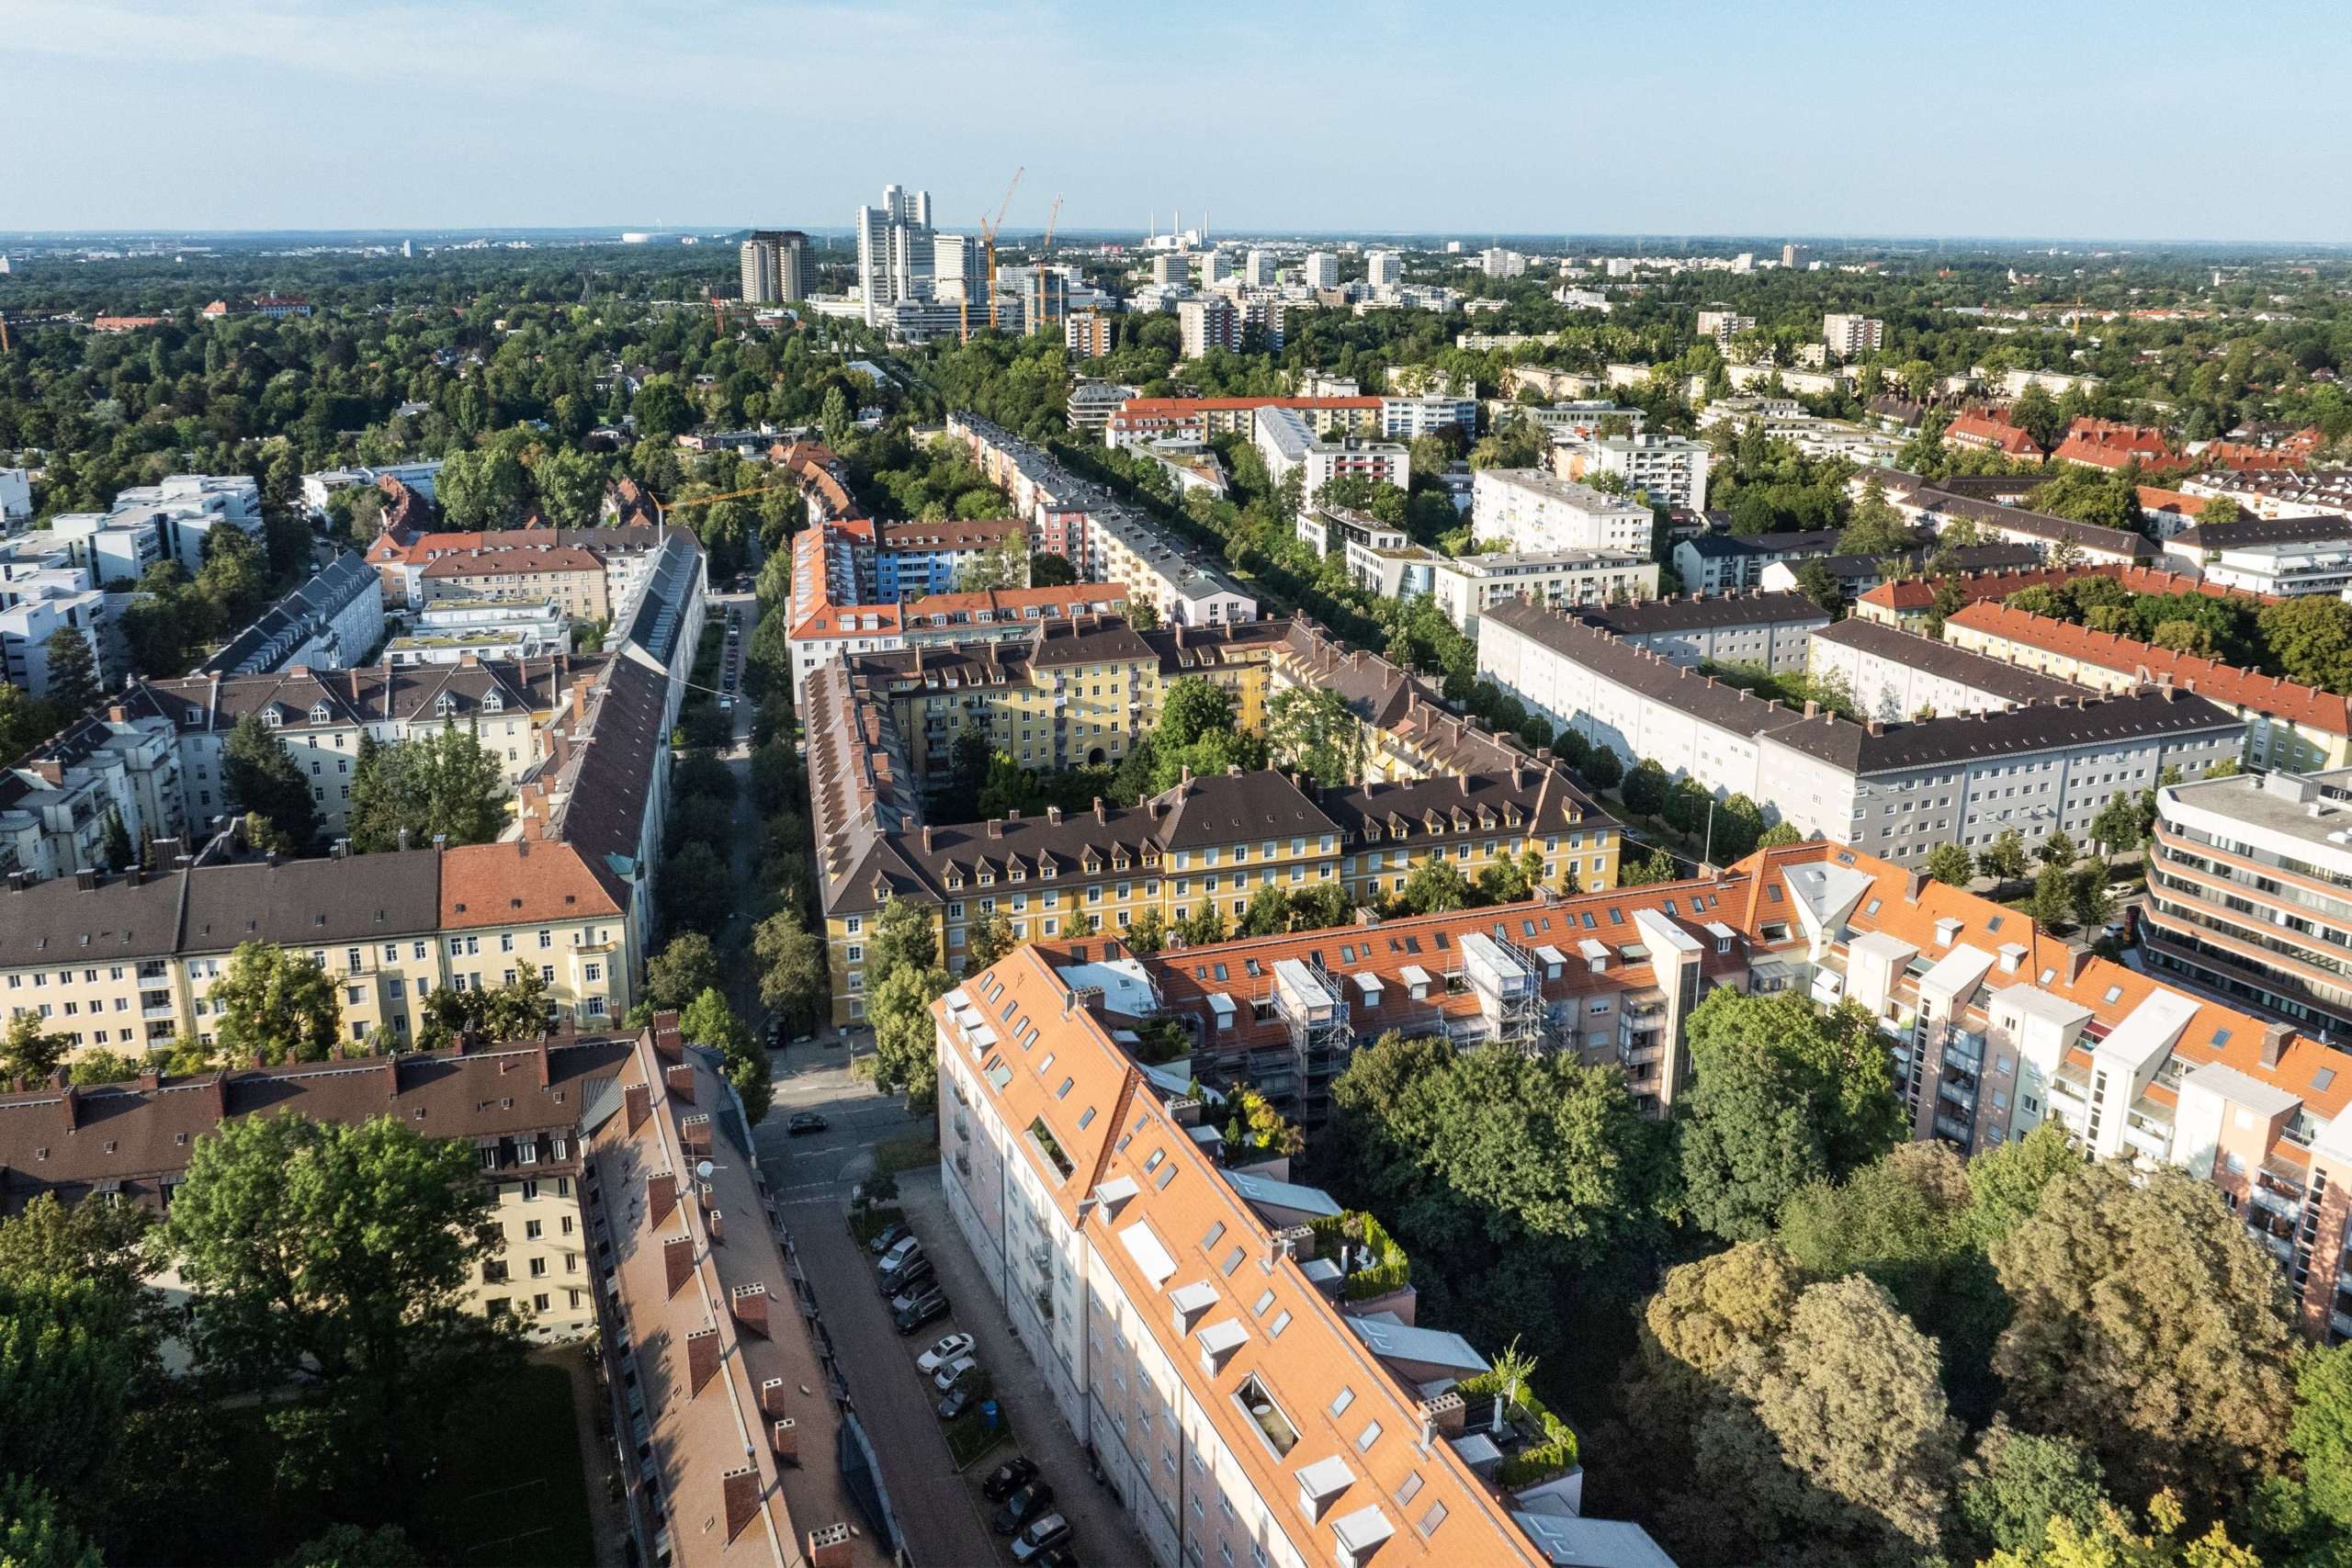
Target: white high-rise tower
point(894, 250)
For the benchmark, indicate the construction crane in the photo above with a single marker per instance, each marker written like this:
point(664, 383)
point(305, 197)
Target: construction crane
point(1045, 251)
point(987, 239)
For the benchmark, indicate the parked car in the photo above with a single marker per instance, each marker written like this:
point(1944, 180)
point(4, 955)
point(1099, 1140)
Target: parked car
point(887, 1239)
point(955, 1404)
point(1008, 1478)
point(1057, 1557)
point(946, 1350)
point(898, 1259)
point(952, 1372)
point(1023, 1506)
point(804, 1122)
point(775, 1033)
point(928, 1308)
point(911, 1281)
point(1040, 1538)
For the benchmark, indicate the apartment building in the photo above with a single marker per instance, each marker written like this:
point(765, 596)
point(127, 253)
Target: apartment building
point(2286, 726)
point(1465, 586)
point(1533, 511)
point(1320, 269)
point(331, 622)
point(493, 629)
point(776, 266)
point(2270, 493)
point(1975, 432)
point(1382, 266)
point(747, 1453)
point(574, 578)
point(319, 716)
point(1670, 469)
point(1091, 335)
point(1724, 325)
point(1287, 442)
point(1899, 789)
point(519, 1105)
point(1731, 563)
point(56, 800)
point(2320, 566)
point(2192, 548)
point(1895, 674)
point(1770, 630)
point(1855, 575)
point(15, 499)
point(1004, 614)
point(1405, 418)
point(1141, 421)
point(42, 594)
point(624, 554)
point(166, 521)
point(419, 475)
point(1091, 403)
point(914, 559)
point(145, 947)
point(1850, 337)
point(1207, 323)
point(1245, 1404)
point(1908, 602)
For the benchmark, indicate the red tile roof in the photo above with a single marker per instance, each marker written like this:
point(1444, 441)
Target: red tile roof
point(525, 884)
point(1918, 592)
point(1988, 434)
point(2270, 695)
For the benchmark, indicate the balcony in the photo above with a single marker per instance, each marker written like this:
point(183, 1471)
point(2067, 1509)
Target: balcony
point(2288, 1209)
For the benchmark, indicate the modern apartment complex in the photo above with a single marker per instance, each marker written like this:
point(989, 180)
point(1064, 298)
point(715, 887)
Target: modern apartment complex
point(1287, 441)
point(1207, 323)
point(1142, 421)
point(1670, 469)
point(1850, 337)
point(1246, 1402)
point(2287, 726)
point(1922, 501)
point(1465, 586)
point(1897, 789)
point(56, 800)
point(1532, 511)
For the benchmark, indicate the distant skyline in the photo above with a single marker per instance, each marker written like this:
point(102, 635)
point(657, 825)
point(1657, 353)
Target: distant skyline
point(2001, 120)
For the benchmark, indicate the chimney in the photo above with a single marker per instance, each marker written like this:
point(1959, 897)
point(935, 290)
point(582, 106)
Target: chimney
point(926, 838)
point(1102, 816)
point(715, 1222)
point(660, 1197)
point(2274, 1043)
point(1443, 1416)
point(678, 1262)
point(829, 1547)
point(772, 1397)
point(750, 1304)
point(680, 1081)
point(1875, 728)
point(694, 1133)
point(996, 826)
point(784, 1441)
point(636, 1102)
point(742, 1491)
point(702, 1359)
point(1811, 708)
point(2077, 960)
point(1053, 816)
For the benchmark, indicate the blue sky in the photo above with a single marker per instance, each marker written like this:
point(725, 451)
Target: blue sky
point(2149, 121)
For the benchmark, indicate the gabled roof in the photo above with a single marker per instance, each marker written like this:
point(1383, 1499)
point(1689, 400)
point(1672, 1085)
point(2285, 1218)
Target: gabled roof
point(2009, 681)
point(1704, 612)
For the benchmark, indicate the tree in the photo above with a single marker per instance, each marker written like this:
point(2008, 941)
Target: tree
point(69, 1359)
point(349, 1546)
point(989, 939)
point(449, 786)
point(2018, 1485)
point(709, 1021)
point(682, 971)
point(2122, 825)
point(35, 1531)
point(1506, 881)
point(2054, 898)
point(794, 978)
point(516, 1010)
point(2003, 858)
point(2309, 638)
point(694, 891)
point(260, 779)
point(2059, 850)
point(661, 410)
point(904, 935)
point(1781, 835)
point(1779, 1098)
point(1435, 886)
point(1312, 730)
point(1148, 934)
point(72, 674)
point(276, 1005)
point(2034, 413)
point(2112, 1543)
point(114, 844)
point(1644, 788)
point(1876, 528)
point(1642, 871)
point(1601, 769)
point(1947, 864)
point(1190, 707)
point(2187, 637)
point(1004, 564)
point(25, 721)
point(336, 1258)
point(1047, 570)
point(2151, 1329)
point(1268, 914)
point(906, 1051)
point(2086, 892)
point(2321, 1432)
point(1817, 583)
point(28, 1051)
point(104, 1242)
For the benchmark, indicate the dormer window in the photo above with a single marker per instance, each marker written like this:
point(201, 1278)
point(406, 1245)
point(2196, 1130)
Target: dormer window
point(271, 718)
point(1946, 930)
point(492, 703)
point(321, 713)
point(444, 706)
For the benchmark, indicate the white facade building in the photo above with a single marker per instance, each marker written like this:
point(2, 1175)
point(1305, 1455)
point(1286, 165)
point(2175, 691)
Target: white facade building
point(1533, 511)
point(15, 499)
point(2318, 566)
point(1465, 587)
point(1207, 323)
point(1496, 262)
point(1895, 674)
point(1850, 337)
point(895, 258)
point(1321, 270)
point(1258, 269)
point(419, 477)
point(1402, 418)
point(1384, 267)
point(169, 521)
point(1285, 439)
point(1671, 470)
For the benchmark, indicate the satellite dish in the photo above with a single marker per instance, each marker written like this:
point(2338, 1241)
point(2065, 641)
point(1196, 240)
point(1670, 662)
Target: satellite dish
point(704, 1170)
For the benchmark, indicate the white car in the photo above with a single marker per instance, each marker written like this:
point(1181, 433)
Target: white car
point(946, 1350)
point(951, 1373)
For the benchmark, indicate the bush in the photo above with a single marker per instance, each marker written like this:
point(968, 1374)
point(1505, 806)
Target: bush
point(1391, 1269)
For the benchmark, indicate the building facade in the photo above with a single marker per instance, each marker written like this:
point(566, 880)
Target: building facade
point(1534, 511)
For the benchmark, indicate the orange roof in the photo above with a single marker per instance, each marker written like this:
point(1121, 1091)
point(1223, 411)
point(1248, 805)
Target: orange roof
point(1911, 917)
point(2240, 457)
point(1918, 592)
point(1162, 1219)
point(1983, 431)
point(840, 620)
point(524, 884)
point(2269, 695)
point(1000, 605)
point(2155, 500)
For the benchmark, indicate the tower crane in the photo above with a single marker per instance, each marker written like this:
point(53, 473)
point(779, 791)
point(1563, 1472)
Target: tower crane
point(1046, 315)
point(987, 239)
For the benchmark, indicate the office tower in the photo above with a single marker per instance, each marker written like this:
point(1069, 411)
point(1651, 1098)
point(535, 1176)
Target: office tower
point(894, 250)
point(1258, 269)
point(959, 267)
point(1798, 256)
point(1384, 267)
point(1215, 268)
point(1322, 270)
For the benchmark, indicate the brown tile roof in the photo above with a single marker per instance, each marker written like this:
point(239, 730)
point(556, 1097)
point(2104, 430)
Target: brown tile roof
point(521, 882)
point(1918, 592)
point(368, 695)
point(2270, 695)
point(999, 605)
point(518, 559)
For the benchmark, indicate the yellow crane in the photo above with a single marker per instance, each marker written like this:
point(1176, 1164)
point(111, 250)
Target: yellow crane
point(987, 239)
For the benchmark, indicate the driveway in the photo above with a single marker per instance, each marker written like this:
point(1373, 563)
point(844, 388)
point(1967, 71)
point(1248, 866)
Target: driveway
point(1103, 1532)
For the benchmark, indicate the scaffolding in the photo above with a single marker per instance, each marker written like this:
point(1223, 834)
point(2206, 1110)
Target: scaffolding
point(1509, 981)
point(1314, 1007)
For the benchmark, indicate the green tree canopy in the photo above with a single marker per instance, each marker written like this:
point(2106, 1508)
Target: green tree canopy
point(794, 979)
point(260, 778)
point(682, 971)
point(275, 1003)
point(1313, 730)
point(1190, 707)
